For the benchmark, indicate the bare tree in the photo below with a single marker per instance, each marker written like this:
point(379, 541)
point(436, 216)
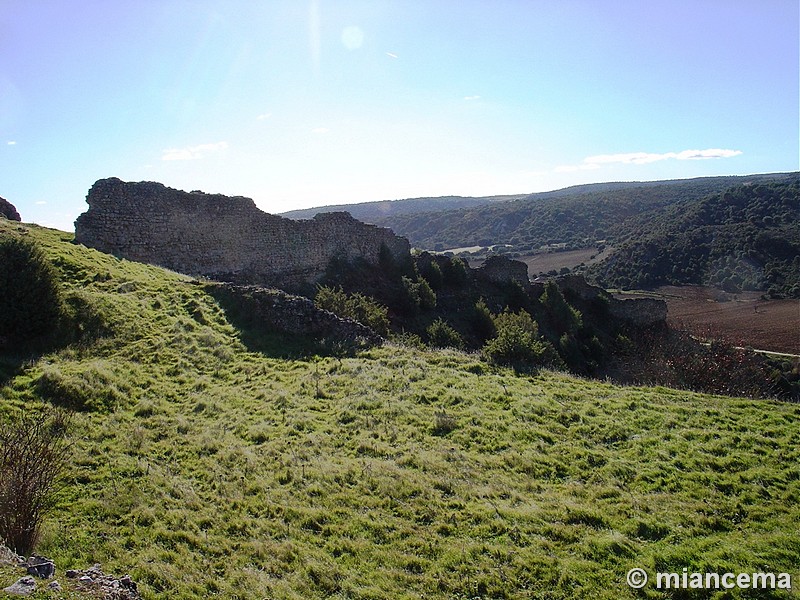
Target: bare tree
point(34, 451)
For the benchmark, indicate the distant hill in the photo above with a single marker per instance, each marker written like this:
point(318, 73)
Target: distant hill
point(744, 238)
point(370, 212)
point(577, 217)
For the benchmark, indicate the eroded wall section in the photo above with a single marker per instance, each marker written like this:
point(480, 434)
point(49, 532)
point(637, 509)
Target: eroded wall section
point(222, 237)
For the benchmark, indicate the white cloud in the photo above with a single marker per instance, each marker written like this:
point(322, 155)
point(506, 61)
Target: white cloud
point(12, 143)
point(352, 37)
point(572, 168)
point(391, 55)
point(263, 116)
point(40, 202)
point(193, 152)
point(320, 130)
point(643, 158)
point(472, 97)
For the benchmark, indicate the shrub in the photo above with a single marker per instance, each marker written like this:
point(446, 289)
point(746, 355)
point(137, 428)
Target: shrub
point(356, 306)
point(409, 340)
point(482, 320)
point(33, 455)
point(418, 295)
point(30, 304)
point(432, 273)
point(564, 317)
point(518, 343)
point(455, 272)
point(442, 335)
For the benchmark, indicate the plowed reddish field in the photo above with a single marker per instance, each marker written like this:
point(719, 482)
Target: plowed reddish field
point(741, 319)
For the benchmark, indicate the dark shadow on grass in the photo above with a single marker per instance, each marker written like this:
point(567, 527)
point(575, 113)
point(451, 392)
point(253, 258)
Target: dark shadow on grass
point(10, 367)
point(260, 335)
point(80, 324)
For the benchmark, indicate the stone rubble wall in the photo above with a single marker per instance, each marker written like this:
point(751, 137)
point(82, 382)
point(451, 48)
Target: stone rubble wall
point(222, 237)
point(278, 311)
point(637, 311)
point(501, 269)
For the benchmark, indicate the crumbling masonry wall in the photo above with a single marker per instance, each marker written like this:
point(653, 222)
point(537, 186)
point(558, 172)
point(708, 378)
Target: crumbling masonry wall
point(222, 237)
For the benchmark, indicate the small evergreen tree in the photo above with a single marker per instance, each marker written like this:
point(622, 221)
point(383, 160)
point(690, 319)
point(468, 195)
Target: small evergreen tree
point(482, 320)
point(564, 317)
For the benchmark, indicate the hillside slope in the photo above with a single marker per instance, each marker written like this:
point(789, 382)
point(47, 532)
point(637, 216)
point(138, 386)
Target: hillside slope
point(371, 212)
point(745, 238)
point(577, 217)
point(204, 467)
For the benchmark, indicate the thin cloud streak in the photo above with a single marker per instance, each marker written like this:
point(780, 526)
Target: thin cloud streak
point(193, 152)
point(644, 158)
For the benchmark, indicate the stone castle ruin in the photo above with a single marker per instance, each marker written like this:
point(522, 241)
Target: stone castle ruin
point(222, 237)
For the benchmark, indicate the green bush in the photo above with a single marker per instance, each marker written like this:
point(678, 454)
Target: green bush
point(419, 294)
point(564, 317)
point(432, 273)
point(442, 335)
point(482, 320)
point(31, 304)
point(356, 306)
point(455, 272)
point(518, 343)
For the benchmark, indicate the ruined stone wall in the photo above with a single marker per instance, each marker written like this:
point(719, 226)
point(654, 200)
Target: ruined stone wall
point(275, 310)
point(638, 311)
point(8, 210)
point(501, 269)
point(222, 237)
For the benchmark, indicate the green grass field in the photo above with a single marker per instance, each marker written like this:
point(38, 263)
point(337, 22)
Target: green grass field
point(203, 468)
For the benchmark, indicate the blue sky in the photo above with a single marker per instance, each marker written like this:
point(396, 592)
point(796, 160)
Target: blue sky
point(299, 103)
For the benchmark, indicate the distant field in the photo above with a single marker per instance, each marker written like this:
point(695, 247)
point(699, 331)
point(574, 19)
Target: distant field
point(743, 319)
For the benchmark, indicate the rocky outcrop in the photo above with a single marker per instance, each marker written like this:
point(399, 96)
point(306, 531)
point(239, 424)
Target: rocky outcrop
point(222, 237)
point(277, 311)
point(94, 581)
point(500, 269)
point(8, 210)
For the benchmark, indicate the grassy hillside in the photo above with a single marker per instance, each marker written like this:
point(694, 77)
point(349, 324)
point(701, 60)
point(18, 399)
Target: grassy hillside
point(205, 468)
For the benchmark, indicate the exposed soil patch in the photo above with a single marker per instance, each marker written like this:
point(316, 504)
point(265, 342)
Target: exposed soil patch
point(741, 319)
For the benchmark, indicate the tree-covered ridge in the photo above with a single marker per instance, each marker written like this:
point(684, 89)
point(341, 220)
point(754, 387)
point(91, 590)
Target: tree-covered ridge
point(745, 238)
point(575, 217)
